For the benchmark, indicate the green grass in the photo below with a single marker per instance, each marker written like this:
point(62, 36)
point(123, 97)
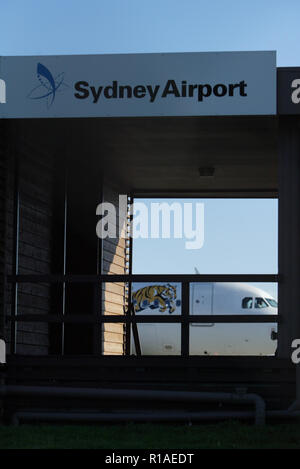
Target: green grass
point(146, 436)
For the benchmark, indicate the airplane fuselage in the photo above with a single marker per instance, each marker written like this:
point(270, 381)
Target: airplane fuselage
point(208, 338)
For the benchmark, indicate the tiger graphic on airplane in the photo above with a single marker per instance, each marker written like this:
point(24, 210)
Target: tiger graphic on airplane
point(155, 296)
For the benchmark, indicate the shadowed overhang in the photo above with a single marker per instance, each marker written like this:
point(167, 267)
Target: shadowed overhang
point(171, 156)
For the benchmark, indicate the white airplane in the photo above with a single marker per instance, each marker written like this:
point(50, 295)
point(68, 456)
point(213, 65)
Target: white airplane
point(205, 338)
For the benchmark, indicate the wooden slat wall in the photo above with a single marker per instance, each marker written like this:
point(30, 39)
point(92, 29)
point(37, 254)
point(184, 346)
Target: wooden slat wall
point(114, 298)
point(36, 186)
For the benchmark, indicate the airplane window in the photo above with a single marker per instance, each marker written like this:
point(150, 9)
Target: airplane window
point(260, 303)
point(272, 302)
point(247, 302)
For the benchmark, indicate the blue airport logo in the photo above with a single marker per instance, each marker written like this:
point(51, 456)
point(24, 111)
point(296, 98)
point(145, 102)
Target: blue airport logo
point(49, 86)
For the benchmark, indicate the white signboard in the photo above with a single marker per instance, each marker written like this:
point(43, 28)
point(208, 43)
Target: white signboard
point(177, 84)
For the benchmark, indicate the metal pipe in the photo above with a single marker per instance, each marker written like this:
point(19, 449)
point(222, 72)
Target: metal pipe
point(125, 416)
point(282, 414)
point(56, 416)
point(170, 396)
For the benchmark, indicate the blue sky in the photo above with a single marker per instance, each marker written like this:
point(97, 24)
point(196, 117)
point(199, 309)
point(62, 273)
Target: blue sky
point(34, 27)
point(240, 237)
point(31, 27)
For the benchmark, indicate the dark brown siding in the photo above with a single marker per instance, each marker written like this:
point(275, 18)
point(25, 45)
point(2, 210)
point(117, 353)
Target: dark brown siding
point(38, 229)
point(3, 188)
point(36, 186)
